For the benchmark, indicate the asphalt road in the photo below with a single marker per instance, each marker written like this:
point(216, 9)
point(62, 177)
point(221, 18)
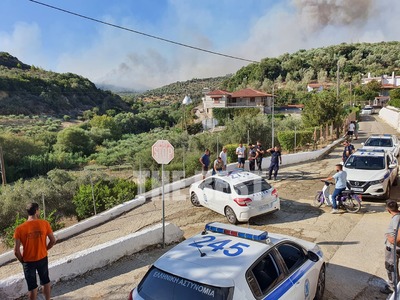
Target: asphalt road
point(353, 244)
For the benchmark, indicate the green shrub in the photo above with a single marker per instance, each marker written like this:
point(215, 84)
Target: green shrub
point(394, 102)
point(286, 138)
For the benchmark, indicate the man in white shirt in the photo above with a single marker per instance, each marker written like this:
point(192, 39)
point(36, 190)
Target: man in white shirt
point(240, 152)
point(224, 157)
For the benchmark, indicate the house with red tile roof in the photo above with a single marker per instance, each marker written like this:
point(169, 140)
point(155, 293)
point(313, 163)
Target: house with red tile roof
point(239, 99)
point(388, 83)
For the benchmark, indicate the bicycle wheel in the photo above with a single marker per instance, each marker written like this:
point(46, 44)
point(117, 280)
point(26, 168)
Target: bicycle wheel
point(319, 199)
point(352, 204)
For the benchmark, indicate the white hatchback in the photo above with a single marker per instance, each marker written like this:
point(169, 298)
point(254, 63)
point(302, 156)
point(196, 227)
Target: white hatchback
point(227, 262)
point(239, 195)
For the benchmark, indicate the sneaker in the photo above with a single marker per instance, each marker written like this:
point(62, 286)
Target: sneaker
point(386, 290)
point(335, 211)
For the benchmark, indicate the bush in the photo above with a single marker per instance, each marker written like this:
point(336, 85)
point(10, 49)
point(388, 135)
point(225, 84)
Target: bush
point(107, 193)
point(286, 139)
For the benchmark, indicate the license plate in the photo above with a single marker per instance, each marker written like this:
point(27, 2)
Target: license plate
point(357, 189)
point(264, 207)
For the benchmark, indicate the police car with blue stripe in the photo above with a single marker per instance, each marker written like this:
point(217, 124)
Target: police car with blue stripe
point(227, 262)
point(372, 172)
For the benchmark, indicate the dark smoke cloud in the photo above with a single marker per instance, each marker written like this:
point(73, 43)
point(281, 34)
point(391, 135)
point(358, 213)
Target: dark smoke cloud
point(321, 13)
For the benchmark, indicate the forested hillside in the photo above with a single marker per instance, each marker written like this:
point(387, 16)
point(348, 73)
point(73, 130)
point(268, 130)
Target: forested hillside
point(30, 90)
point(293, 71)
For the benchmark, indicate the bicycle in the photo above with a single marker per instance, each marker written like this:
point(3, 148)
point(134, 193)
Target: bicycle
point(347, 200)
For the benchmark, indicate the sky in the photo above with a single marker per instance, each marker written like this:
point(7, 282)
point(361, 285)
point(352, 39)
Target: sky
point(250, 29)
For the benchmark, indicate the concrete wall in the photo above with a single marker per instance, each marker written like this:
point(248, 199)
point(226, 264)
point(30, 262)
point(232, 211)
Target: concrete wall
point(391, 115)
point(86, 224)
point(96, 257)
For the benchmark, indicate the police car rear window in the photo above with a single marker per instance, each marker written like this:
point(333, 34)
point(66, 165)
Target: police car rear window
point(158, 284)
point(252, 186)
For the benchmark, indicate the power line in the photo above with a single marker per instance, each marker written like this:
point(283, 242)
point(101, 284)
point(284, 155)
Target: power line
point(142, 33)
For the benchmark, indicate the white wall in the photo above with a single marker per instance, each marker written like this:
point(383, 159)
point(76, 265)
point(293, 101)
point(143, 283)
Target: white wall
point(94, 258)
point(391, 115)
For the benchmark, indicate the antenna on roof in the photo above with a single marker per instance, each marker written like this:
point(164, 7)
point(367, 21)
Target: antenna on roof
point(202, 254)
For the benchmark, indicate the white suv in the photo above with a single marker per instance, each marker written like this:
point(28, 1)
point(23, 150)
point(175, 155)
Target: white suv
point(227, 262)
point(371, 172)
point(239, 195)
point(387, 142)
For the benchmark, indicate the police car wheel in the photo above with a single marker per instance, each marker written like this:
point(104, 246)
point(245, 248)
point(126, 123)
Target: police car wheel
point(319, 293)
point(230, 215)
point(194, 199)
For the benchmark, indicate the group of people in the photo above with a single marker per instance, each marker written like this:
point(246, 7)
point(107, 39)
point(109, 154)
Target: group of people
point(254, 154)
point(353, 129)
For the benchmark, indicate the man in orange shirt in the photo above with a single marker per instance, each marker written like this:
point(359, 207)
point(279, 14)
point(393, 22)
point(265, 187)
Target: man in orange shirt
point(32, 235)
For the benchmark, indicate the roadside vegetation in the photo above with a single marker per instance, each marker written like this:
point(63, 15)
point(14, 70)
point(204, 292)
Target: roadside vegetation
point(86, 159)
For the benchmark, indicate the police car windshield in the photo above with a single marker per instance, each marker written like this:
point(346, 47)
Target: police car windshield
point(378, 142)
point(252, 186)
point(366, 162)
point(158, 284)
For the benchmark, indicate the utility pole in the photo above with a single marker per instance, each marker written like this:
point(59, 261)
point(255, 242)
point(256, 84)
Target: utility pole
point(273, 117)
point(338, 81)
point(2, 168)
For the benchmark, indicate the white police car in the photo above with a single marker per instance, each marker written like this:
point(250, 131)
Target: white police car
point(227, 262)
point(371, 172)
point(388, 142)
point(239, 195)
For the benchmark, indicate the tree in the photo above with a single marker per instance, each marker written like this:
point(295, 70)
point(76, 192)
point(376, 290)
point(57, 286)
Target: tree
point(74, 140)
point(321, 109)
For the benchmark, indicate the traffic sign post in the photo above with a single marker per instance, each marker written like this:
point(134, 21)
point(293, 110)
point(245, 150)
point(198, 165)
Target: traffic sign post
point(163, 152)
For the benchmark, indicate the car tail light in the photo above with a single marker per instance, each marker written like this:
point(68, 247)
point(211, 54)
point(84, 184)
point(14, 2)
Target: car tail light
point(242, 201)
point(275, 193)
point(130, 295)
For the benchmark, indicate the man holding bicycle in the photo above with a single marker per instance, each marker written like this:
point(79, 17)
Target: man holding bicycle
point(340, 177)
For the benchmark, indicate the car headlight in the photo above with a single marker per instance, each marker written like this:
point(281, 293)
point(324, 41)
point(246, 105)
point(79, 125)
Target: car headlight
point(377, 181)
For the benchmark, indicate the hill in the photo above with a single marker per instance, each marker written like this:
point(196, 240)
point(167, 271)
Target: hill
point(319, 65)
point(30, 90)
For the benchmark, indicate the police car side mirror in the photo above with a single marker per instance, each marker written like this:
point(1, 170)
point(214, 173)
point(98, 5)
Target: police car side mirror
point(392, 166)
point(312, 256)
point(362, 144)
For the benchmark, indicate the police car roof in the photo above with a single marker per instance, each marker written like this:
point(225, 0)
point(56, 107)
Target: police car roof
point(194, 259)
point(382, 136)
point(370, 152)
point(237, 175)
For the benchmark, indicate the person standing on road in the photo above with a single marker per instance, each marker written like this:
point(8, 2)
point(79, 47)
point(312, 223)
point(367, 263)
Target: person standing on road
point(259, 155)
point(205, 162)
point(356, 129)
point(32, 236)
point(351, 129)
point(393, 208)
point(252, 157)
point(347, 151)
point(240, 152)
point(340, 177)
point(276, 160)
point(224, 157)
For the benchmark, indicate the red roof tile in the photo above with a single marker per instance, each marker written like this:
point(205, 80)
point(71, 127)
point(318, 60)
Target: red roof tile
point(218, 93)
point(246, 93)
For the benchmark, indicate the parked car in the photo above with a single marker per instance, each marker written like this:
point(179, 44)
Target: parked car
point(371, 172)
point(239, 195)
point(367, 110)
point(388, 142)
point(227, 262)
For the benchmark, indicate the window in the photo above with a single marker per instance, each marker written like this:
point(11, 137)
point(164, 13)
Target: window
point(264, 276)
point(251, 187)
point(293, 255)
point(222, 186)
point(379, 142)
point(366, 162)
point(158, 284)
point(207, 184)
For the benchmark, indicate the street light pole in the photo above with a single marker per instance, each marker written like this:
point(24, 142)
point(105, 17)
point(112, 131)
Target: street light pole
point(273, 115)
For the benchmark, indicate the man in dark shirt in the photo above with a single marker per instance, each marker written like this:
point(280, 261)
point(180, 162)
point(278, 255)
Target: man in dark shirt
point(205, 162)
point(252, 157)
point(259, 155)
point(276, 159)
point(347, 151)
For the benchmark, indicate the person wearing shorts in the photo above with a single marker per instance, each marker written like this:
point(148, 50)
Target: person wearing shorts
point(205, 162)
point(240, 152)
point(32, 236)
